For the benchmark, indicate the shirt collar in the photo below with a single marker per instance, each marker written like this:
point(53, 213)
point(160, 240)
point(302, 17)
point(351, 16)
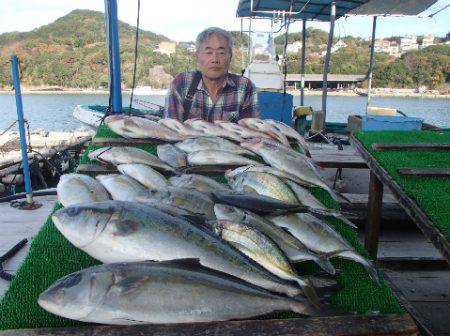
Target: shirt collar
point(229, 82)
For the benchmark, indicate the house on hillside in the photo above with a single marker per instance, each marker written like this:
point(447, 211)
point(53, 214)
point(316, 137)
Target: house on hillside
point(189, 46)
point(294, 47)
point(428, 40)
point(339, 44)
point(408, 43)
point(166, 47)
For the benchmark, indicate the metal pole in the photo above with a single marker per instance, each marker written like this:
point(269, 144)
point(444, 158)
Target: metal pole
point(108, 49)
point(302, 71)
point(111, 9)
point(327, 62)
point(249, 42)
point(23, 139)
point(372, 48)
point(242, 47)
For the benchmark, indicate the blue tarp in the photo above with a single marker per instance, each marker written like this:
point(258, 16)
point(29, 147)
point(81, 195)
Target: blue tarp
point(318, 10)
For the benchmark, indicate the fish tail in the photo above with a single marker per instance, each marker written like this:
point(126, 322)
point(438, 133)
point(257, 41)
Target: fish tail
point(308, 291)
point(373, 274)
point(323, 260)
point(302, 307)
point(344, 219)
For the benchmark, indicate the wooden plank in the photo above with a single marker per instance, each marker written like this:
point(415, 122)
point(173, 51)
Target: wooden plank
point(424, 172)
point(437, 312)
point(96, 169)
point(374, 216)
point(126, 142)
point(410, 206)
point(412, 263)
point(389, 324)
point(379, 146)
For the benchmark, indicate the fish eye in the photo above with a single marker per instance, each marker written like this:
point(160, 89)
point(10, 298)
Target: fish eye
point(73, 211)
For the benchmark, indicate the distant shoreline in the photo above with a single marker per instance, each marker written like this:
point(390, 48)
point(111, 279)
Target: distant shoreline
point(293, 92)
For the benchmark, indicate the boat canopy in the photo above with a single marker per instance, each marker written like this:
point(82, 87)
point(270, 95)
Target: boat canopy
point(319, 10)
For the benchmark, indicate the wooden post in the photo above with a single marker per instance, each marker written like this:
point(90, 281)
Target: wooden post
point(373, 215)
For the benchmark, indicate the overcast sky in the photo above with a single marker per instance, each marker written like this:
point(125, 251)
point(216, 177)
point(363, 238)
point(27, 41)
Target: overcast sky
point(182, 20)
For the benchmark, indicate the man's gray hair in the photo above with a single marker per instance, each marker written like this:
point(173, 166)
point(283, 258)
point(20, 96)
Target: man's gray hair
point(204, 35)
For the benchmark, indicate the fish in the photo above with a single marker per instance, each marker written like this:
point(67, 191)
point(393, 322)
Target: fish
point(254, 202)
point(156, 292)
point(133, 127)
point(260, 125)
point(117, 231)
point(144, 174)
point(184, 198)
point(292, 247)
point(291, 162)
point(290, 133)
point(199, 182)
point(264, 251)
point(171, 155)
point(180, 128)
point(242, 131)
point(212, 129)
point(121, 155)
point(79, 188)
point(262, 168)
point(314, 205)
point(210, 143)
point(263, 184)
point(320, 237)
point(121, 187)
point(217, 157)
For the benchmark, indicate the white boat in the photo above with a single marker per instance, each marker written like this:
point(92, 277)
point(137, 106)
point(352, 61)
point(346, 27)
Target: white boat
point(149, 91)
point(92, 115)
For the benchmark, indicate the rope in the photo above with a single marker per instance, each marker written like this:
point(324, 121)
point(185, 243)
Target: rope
point(135, 56)
point(9, 127)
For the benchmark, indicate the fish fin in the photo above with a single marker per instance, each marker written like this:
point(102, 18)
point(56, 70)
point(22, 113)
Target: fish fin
point(130, 284)
point(294, 209)
point(373, 274)
point(334, 214)
point(188, 262)
point(325, 264)
point(301, 306)
point(126, 227)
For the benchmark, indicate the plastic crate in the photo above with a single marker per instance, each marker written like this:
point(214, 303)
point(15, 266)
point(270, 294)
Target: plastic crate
point(390, 123)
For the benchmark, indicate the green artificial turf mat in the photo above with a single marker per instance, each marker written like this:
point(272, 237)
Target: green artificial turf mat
point(51, 257)
point(432, 194)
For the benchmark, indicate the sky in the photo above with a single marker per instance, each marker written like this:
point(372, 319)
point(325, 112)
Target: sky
point(182, 20)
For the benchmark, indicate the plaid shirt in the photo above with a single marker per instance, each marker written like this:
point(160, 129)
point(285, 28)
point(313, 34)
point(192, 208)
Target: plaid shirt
point(237, 99)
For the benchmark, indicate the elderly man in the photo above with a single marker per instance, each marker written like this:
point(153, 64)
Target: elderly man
point(212, 93)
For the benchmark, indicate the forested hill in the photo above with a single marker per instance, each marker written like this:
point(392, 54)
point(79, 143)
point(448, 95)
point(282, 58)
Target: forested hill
point(71, 52)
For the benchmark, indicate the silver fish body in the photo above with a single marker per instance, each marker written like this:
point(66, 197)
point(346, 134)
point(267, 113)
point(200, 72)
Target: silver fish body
point(140, 128)
point(211, 143)
point(180, 128)
point(121, 187)
point(264, 251)
point(320, 237)
point(144, 174)
point(290, 133)
point(291, 246)
point(211, 129)
point(155, 292)
point(188, 199)
point(264, 184)
point(199, 182)
point(121, 155)
point(171, 155)
point(78, 188)
point(114, 231)
point(217, 157)
point(262, 126)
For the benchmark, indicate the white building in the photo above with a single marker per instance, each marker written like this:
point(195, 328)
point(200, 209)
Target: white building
point(166, 47)
point(428, 40)
point(408, 42)
point(339, 44)
point(294, 47)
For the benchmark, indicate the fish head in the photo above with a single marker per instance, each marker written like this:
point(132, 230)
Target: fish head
point(253, 144)
point(228, 212)
point(75, 295)
point(96, 154)
point(82, 223)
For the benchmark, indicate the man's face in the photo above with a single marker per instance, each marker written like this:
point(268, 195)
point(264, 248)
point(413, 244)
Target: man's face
point(213, 57)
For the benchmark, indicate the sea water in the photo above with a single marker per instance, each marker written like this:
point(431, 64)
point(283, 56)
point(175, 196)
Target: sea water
point(53, 112)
